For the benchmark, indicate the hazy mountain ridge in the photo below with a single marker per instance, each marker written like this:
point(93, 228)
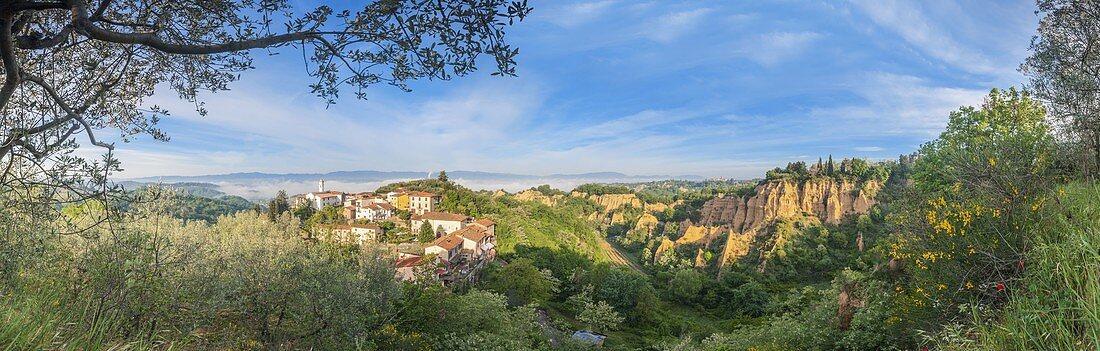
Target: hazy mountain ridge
point(372, 175)
point(258, 186)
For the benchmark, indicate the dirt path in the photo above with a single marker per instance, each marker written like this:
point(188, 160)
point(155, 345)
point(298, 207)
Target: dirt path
point(618, 257)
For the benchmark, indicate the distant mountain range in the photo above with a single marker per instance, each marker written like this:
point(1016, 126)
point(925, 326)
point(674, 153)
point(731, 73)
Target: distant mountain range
point(372, 176)
point(257, 186)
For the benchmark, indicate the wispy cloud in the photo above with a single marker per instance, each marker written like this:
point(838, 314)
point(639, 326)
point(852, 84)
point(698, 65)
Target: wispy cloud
point(650, 87)
point(892, 104)
point(576, 14)
point(772, 49)
point(673, 26)
point(908, 20)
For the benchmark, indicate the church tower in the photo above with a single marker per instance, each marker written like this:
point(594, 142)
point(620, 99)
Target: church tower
point(321, 186)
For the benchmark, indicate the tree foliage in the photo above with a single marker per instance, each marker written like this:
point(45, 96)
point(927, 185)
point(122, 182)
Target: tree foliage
point(278, 205)
point(523, 282)
point(1064, 68)
point(426, 233)
point(73, 68)
point(972, 213)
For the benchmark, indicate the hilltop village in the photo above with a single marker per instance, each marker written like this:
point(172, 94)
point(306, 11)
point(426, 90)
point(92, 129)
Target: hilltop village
point(409, 224)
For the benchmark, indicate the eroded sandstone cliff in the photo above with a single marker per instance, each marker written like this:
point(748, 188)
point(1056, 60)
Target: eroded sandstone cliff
point(611, 202)
point(826, 198)
point(536, 196)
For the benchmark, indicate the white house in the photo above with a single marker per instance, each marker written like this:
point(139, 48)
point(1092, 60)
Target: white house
point(442, 222)
point(477, 242)
point(445, 248)
point(374, 211)
point(321, 199)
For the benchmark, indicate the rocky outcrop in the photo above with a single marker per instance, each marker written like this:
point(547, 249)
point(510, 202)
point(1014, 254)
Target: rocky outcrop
point(826, 198)
point(535, 196)
point(665, 247)
point(700, 259)
point(646, 223)
point(613, 201)
point(617, 218)
point(699, 235)
point(720, 210)
point(661, 207)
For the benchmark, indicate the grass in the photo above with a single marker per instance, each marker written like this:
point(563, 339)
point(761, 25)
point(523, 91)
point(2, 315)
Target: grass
point(1058, 305)
point(42, 320)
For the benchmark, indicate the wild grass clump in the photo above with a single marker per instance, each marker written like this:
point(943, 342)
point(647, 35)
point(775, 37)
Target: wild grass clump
point(1057, 306)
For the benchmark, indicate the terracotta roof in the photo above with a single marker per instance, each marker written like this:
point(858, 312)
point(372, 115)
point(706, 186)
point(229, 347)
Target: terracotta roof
point(380, 206)
point(473, 233)
point(410, 261)
point(441, 216)
point(422, 194)
point(447, 242)
point(485, 222)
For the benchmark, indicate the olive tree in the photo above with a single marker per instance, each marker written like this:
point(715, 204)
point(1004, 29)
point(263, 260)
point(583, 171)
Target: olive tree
point(74, 69)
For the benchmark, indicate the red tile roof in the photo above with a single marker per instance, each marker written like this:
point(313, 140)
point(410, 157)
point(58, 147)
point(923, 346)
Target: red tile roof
point(447, 242)
point(485, 222)
point(474, 233)
point(380, 206)
point(410, 261)
point(422, 194)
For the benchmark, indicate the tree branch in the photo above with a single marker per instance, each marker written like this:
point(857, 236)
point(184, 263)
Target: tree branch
point(30, 6)
point(32, 43)
point(103, 5)
point(11, 66)
point(86, 26)
point(71, 114)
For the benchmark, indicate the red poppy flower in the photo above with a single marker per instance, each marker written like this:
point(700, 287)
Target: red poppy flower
point(924, 349)
point(1000, 287)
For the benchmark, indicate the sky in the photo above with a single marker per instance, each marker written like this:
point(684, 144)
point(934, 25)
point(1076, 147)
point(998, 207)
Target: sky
point(712, 88)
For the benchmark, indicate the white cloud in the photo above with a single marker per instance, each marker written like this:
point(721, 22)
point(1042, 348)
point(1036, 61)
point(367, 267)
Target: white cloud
point(671, 27)
point(868, 148)
point(771, 49)
point(575, 15)
point(454, 130)
point(630, 125)
point(896, 105)
point(909, 21)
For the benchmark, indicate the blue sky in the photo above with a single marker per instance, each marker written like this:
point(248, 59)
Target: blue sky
point(712, 88)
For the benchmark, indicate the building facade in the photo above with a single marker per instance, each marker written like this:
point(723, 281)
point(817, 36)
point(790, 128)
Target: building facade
point(421, 202)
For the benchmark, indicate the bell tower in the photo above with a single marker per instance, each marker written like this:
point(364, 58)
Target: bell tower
point(321, 186)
